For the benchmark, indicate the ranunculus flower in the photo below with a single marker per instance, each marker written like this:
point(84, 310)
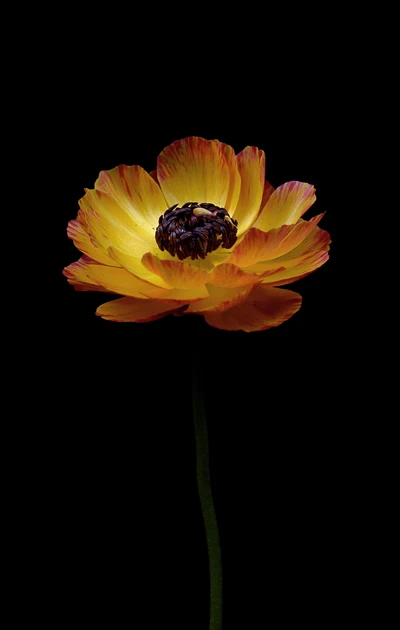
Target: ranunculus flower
point(204, 234)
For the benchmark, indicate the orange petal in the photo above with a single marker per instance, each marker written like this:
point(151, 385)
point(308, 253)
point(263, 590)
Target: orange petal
point(317, 240)
point(193, 169)
point(220, 299)
point(134, 310)
point(257, 245)
point(302, 260)
point(296, 269)
point(136, 192)
point(234, 176)
point(178, 275)
point(251, 164)
point(264, 308)
point(286, 205)
point(176, 296)
point(113, 279)
point(227, 275)
point(82, 241)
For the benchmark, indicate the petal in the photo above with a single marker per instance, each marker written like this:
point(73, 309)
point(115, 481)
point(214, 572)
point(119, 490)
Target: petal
point(134, 265)
point(267, 192)
point(153, 174)
point(305, 258)
point(251, 164)
point(193, 169)
point(177, 296)
point(302, 267)
point(220, 299)
point(82, 241)
point(257, 245)
point(86, 286)
point(134, 310)
point(264, 308)
point(136, 192)
point(79, 279)
point(178, 275)
point(227, 275)
point(234, 176)
point(286, 205)
point(317, 240)
point(113, 279)
point(109, 224)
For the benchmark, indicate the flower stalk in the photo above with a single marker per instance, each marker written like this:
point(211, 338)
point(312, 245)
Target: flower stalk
point(205, 494)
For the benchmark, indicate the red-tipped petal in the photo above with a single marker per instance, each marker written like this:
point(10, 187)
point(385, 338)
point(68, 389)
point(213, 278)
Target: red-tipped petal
point(251, 164)
point(176, 274)
point(134, 310)
point(193, 169)
point(264, 308)
point(286, 205)
point(258, 245)
point(83, 242)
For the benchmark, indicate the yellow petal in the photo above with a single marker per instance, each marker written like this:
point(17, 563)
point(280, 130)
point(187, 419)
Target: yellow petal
point(177, 275)
point(220, 299)
point(134, 310)
point(286, 205)
point(193, 169)
point(264, 308)
point(234, 176)
point(251, 164)
point(137, 193)
point(257, 245)
point(82, 241)
point(134, 265)
point(112, 279)
point(110, 225)
point(77, 276)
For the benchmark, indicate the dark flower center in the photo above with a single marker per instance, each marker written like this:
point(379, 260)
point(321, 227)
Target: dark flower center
point(195, 230)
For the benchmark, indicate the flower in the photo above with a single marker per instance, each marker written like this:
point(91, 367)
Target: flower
point(203, 234)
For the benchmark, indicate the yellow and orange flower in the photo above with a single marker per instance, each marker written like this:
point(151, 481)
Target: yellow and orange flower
point(233, 288)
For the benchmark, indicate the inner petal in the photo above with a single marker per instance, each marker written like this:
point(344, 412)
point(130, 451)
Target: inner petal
point(193, 169)
point(136, 192)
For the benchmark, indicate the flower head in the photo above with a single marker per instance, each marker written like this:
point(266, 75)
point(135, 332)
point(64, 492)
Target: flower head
point(203, 234)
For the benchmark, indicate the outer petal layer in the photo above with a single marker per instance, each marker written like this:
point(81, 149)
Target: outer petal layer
point(112, 279)
point(286, 205)
point(220, 299)
point(251, 164)
point(258, 245)
point(264, 308)
point(176, 274)
point(82, 241)
point(134, 310)
point(193, 169)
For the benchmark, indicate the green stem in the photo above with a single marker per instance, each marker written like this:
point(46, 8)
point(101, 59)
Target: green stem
point(206, 500)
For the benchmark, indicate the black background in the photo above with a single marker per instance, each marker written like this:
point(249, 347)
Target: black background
point(123, 530)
